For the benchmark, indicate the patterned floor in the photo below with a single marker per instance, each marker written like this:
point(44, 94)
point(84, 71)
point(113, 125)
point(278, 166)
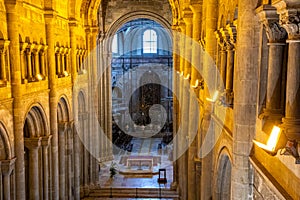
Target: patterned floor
point(145, 147)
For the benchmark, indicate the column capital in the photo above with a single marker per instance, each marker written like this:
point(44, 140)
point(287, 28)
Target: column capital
point(220, 40)
point(29, 48)
point(270, 19)
point(4, 43)
point(32, 143)
point(36, 49)
point(23, 46)
point(45, 142)
point(289, 12)
point(44, 48)
point(62, 126)
point(7, 166)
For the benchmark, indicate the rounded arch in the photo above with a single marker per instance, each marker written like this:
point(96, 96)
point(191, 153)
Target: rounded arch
point(63, 111)
point(117, 92)
point(81, 102)
point(136, 15)
point(35, 123)
point(223, 175)
point(5, 148)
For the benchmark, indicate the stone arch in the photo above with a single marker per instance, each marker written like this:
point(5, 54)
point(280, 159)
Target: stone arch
point(81, 102)
point(223, 175)
point(132, 16)
point(35, 123)
point(5, 149)
point(63, 114)
point(117, 92)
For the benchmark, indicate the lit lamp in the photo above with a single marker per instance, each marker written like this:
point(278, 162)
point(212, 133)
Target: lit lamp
point(196, 84)
point(65, 73)
point(181, 73)
point(270, 147)
point(39, 77)
point(214, 98)
point(273, 146)
point(187, 77)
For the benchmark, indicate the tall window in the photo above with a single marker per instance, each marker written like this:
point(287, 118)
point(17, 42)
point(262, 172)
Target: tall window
point(114, 47)
point(150, 41)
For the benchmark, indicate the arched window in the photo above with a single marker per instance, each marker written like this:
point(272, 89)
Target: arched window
point(114, 47)
point(150, 41)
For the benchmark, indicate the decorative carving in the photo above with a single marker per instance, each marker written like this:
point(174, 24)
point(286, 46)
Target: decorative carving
point(275, 32)
point(220, 40)
point(291, 22)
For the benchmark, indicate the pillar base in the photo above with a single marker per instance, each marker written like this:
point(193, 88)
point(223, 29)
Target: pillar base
point(291, 128)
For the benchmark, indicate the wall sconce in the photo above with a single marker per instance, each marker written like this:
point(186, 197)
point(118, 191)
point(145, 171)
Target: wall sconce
point(214, 98)
point(196, 84)
point(272, 145)
point(187, 77)
point(65, 73)
point(39, 77)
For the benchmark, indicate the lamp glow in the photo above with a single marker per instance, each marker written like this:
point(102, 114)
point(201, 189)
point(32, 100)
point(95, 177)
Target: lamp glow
point(65, 73)
point(181, 74)
point(39, 77)
point(196, 84)
point(272, 141)
point(187, 77)
point(214, 98)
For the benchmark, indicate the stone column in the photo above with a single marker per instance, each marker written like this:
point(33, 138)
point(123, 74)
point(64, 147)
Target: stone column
point(23, 47)
point(12, 14)
point(42, 56)
point(7, 166)
point(245, 105)
point(45, 142)
point(223, 57)
point(209, 73)
point(62, 61)
point(29, 64)
point(73, 55)
point(50, 38)
point(230, 40)
point(33, 145)
point(289, 18)
point(77, 165)
point(61, 152)
point(37, 62)
point(276, 42)
point(3, 65)
point(176, 67)
point(193, 102)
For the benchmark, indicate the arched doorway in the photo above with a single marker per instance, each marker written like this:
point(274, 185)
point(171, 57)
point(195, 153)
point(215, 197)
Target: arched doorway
point(223, 181)
point(84, 153)
point(6, 165)
point(36, 156)
point(65, 150)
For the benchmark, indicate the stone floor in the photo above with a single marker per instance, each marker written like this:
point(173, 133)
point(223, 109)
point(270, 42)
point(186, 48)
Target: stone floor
point(141, 146)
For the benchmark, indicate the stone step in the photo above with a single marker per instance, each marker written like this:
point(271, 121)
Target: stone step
point(134, 193)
